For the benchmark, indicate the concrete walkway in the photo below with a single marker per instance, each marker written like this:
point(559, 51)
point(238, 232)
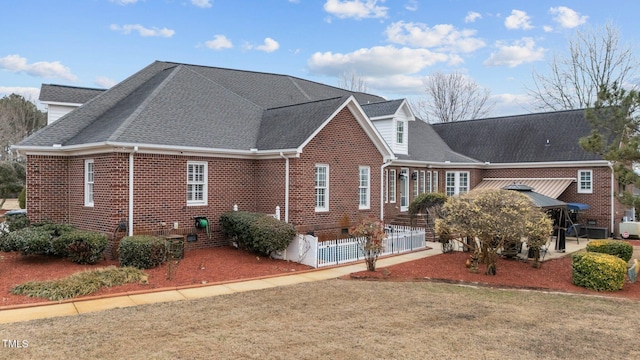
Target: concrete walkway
point(92, 305)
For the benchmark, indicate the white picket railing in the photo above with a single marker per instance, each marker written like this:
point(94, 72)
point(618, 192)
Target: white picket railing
point(306, 249)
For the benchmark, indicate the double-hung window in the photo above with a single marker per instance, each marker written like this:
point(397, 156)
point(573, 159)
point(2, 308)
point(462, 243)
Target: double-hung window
point(88, 182)
point(322, 187)
point(421, 186)
point(585, 181)
point(400, 132)
point(415, 184)
point(457, 182)
point(364, 188)
point(197, 183)
point(392, 185)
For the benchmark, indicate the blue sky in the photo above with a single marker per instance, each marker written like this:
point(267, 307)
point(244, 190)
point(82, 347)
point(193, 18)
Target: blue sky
point(392, 45)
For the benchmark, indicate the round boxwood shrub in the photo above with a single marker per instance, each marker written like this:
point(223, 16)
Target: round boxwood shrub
point(597, 271)
point(31, 241)
point(236, 225)
point(142, 251)
point(82, 247)
point(269, 234)
point(621, 249)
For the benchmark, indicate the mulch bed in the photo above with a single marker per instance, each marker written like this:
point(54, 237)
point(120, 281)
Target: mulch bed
point(215, 265)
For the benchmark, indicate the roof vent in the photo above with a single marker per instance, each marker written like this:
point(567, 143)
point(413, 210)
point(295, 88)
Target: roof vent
point(547, 144)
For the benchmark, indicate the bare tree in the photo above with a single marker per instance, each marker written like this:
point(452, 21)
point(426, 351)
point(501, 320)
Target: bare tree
point(452, 97)
point(596, 60)
point(352, 82)
point(19, 118)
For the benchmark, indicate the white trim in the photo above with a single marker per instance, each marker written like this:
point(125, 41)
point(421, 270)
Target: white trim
point(404, 188)
point(325, 187)
point(195, 182)
point(367, 187)
point(131, 178)
point(89, 182)
point(457, 187)
point(422, 188)
point(580, 189)
point(393, 190)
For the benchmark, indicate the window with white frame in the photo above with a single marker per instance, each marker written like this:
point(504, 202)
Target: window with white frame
point(197, 183)
point(456, 182)
point(88, 182)
point(434, 182)
point(585, 181)
point(386, 186)
point(322, 187)
point(428, 187)
point(414, 176)
point(400, 132)
point(392, 186)
point(422, 182)
point(364, 188)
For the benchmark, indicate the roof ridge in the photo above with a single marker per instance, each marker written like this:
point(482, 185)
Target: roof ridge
point(511, 116)
point(122, 127)
point(76, 87)
point(308, 102)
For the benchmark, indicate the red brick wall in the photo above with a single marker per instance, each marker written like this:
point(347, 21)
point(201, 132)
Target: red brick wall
point(270, 186)
point(344, 146)
point(47, 188)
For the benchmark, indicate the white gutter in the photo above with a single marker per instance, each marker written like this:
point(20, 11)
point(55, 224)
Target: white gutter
point(286, 188)
point(135, 149)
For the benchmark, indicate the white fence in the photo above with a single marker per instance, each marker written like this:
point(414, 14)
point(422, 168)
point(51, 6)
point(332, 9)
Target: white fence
point(306, 249)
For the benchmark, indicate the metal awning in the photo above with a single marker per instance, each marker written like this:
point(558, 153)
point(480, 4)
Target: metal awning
point(551, 187)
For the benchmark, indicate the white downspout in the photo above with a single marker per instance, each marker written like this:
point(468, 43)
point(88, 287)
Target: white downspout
point(613, 198)
point(135, 149)
point(382, 187)
point(286, 188)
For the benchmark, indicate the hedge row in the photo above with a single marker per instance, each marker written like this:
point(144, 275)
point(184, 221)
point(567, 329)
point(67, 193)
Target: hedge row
point(257, 232)
point(57, 240)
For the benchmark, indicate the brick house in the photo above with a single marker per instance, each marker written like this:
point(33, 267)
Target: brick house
point(176, 141)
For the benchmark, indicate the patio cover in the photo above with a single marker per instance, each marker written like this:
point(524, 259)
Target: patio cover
point(551, 187)
point(540, 200)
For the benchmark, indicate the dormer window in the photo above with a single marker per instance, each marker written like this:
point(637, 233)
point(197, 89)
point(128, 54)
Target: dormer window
point(400, 132)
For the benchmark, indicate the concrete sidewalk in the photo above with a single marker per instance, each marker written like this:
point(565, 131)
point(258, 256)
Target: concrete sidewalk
point(92, 305)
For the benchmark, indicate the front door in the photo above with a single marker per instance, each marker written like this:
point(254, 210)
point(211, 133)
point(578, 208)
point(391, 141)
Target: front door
point(404, 189)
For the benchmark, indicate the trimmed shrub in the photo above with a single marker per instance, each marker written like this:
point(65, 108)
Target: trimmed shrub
point(55, 229)
point(425, 201)
point(597, 271)
point(621, 249)
point(31, 241)
point(82, 247)
point(17, 222)
point(142, 251)
point(8, 243)
point(269, 234)
point(237, 225)
point(22, 198)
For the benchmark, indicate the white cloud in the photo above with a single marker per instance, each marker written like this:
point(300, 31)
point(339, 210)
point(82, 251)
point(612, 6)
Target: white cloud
point(202, 3)
point(104, 82)
point(143, 31)
point(29, 93)
point(269, 45)
point(45, 69)
point(472, 16)
point(567, 18)
point(124, 2)
point(547, 28)
point(378, 61)
point(518, 20)
point(444, 36)
point(357, 9)
point(511, 104)
point(412, 5)
point(219, 42)
point(519, 52)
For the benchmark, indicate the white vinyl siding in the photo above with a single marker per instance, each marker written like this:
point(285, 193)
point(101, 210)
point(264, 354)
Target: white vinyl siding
point(322, 187)
point(585, 181)
point(392, 186)
point(457, 182)
point(89, 176)
point(364, 188)
point(197, 183)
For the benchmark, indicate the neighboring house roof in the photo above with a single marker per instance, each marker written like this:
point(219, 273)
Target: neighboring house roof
point(541, 137)
point(51, 93)
point(426, 145)
point(181, 105)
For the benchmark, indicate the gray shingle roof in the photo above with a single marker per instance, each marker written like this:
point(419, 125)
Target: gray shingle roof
point(542, 137)
point(382, 108)
point(197, 106)
point(67, 94)
point(426, 145)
